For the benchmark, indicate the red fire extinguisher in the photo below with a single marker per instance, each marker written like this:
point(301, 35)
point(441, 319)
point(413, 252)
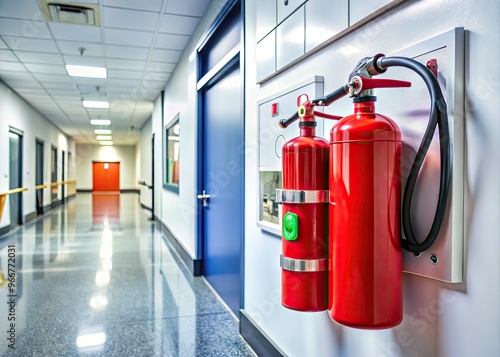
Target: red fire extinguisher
point(304, 198)
point(366, 209)
point(365, 191)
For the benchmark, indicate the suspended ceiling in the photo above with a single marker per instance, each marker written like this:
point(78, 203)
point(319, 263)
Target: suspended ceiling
point(139, 42)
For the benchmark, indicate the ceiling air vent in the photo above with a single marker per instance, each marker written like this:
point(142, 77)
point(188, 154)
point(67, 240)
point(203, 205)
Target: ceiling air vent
point(71, 13)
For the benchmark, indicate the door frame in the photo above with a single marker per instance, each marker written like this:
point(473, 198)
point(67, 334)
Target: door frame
point(20, 134)
point(103, 162)
point(203, 81)
point(39, 210)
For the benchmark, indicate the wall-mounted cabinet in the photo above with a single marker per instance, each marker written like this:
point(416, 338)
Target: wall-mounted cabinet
point(287, 30)
point(324, 19)
point(266, 18)
point(290, 39)
point(287, 7)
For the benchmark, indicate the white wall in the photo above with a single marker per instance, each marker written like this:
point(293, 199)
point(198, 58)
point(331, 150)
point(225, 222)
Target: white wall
point(178, 210)
point(144, 163)
point(86, 154)
point(439, 319)
point(16, 113)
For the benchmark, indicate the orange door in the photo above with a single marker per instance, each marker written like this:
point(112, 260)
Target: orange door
point(106, 176)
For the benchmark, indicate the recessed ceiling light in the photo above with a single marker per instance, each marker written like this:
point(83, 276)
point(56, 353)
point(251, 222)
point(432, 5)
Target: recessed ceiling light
point(86, 71)
point(95, 104)
point(102, 131)
point(100, 122)
point(103, 137)
point(106, 143)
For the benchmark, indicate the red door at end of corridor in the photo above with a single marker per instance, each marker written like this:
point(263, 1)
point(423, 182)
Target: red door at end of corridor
point(106, 176)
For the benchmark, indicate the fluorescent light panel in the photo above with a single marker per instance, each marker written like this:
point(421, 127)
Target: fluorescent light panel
point(102, 131)
point(100, 121)
point(86, 71)
point(103, 137)
point(95, 104)
point(106, 142)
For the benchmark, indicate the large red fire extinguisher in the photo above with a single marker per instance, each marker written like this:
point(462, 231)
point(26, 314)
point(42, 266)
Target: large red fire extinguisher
point(366, 209)
point(304, 198)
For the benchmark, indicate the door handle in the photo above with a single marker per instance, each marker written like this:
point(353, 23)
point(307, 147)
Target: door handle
point(204, 197)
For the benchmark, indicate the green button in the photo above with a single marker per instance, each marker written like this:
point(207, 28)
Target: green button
point(290, 226)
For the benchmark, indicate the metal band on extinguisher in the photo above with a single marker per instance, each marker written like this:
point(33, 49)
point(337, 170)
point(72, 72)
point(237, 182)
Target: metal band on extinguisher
point(303, 265)
point(302, 196)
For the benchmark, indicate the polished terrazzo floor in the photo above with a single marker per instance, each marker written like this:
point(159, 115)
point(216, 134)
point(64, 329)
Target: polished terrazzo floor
point(95, 278)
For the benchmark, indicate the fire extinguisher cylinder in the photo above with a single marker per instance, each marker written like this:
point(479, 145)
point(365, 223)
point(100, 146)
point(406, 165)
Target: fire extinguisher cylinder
point(304, 199)
point(364, 243)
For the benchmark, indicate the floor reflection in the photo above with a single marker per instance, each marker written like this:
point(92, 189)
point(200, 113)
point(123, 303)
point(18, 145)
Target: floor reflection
point(92, 286)
point(105, 208)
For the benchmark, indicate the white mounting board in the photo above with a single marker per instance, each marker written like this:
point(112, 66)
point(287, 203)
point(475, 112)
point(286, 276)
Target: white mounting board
point(272, 137)
point(409, 107)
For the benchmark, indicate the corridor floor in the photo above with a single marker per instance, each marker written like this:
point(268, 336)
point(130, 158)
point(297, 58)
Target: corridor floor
point(94, 277)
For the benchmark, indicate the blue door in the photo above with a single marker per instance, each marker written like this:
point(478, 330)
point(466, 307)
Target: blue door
point(223, 170)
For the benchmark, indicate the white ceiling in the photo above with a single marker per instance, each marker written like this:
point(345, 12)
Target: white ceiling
point(139, 42)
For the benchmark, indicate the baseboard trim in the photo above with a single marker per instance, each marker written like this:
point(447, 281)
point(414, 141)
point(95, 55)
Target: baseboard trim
point(47, 208)
point(55, 204)
point(256, 338)
point(4, 230)
point(194, 265)
point(29, 217)
point(83, 190)
point(130, 190)
point(145, 207)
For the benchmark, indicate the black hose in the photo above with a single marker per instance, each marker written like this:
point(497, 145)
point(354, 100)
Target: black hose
point(439, 117)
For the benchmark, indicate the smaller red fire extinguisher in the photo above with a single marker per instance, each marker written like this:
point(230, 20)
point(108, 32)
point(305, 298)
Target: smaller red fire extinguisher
point(304, 199)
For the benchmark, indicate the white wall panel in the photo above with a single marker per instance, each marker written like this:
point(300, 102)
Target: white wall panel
point(440, 319)
point(86, 154)
point(16, 113)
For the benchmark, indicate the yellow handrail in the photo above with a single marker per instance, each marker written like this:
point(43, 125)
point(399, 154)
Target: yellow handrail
point(14, 190)
point(41, 187)
point(3, 197)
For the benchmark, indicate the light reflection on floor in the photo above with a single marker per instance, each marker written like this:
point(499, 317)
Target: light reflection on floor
point(95, 278)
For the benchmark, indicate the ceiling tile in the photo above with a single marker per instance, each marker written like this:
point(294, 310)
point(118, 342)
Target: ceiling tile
point(98, 113)
point(166, 55)
point(17, 75)
point(72, 48)
point(89, 81)
point(85, 61)
point(157, 76)
point(11, 66)
point(37, 57)
point(150, 5)
point(160, 67)
point(173, 42)
point(75, 32)
point(178, 24)
point(127, 52)
point(20, 9)
point(30, 44)
point(125, 64)
point(45, 68)
point(24, 28)
point(130, 19)
point(130, 38)
point(2, 44)
point(59, 85)
point(152, 85)
point(187, 7)
point(53, 78)
point(124, 74)
point(6, 55)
